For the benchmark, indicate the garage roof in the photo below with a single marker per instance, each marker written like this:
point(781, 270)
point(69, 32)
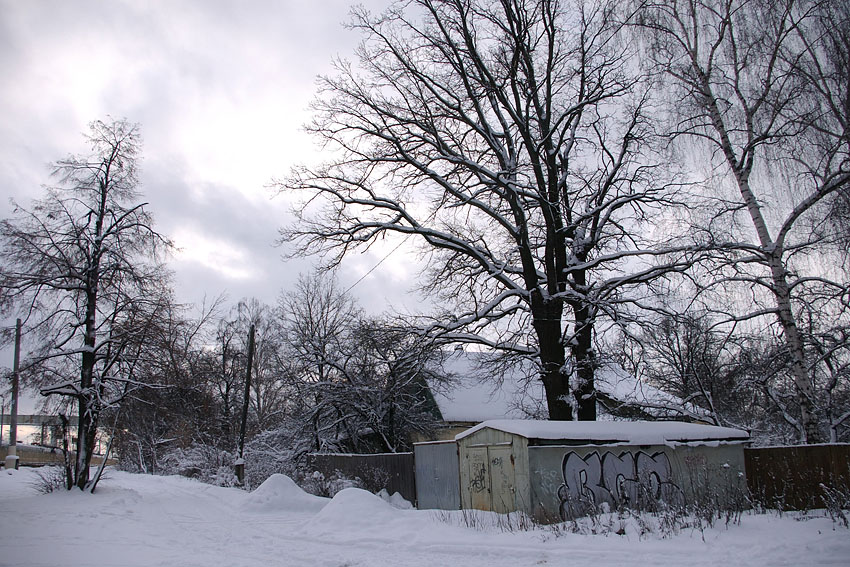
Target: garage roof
point(626, 432)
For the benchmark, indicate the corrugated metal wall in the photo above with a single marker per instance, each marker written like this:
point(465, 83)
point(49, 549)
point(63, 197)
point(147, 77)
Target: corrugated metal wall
point(437, 481)
point(393, 471)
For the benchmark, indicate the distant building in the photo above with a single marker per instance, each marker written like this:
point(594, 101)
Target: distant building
point(45, 431)
point(475, 395)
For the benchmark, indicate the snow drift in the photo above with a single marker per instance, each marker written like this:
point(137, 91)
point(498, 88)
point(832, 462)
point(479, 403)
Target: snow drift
point(280, 493)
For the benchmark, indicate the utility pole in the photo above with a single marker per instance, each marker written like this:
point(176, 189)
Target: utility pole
point(240, 462)
point(12, 455)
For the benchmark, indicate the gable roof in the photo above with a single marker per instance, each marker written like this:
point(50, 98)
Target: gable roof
point(473, 395)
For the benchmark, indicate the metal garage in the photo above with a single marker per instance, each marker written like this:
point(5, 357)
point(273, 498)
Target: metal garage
point(557, 470)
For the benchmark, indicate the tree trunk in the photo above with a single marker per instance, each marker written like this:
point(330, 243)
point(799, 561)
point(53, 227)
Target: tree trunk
point(547, 324)
point(585, 360)
point(86, 400)
point(86, 434)
point(794, 343)
point(773, 252)
point(784, 312)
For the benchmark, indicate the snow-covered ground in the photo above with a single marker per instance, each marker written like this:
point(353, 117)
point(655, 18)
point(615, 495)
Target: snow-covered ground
point(135, 520)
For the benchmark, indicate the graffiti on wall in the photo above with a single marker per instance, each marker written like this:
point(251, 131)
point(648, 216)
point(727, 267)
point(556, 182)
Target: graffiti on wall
point(478, 478)
point(632, 480)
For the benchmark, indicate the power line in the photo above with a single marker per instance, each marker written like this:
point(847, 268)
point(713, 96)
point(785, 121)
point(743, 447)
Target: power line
point(363, 277)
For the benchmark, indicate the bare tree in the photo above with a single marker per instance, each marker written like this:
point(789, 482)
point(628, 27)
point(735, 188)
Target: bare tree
point(511, 140)
point(176, 407)
point(689, 356)
point(761, 90)
point(318, 319)
point(353, 383)
point(268, 381)
point(81, 266)
point(228, 375)
point(826, 68)
point(827, 335)
point(388, 375)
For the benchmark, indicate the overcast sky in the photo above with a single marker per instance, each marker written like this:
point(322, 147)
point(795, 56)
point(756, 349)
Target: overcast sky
point(221, 90)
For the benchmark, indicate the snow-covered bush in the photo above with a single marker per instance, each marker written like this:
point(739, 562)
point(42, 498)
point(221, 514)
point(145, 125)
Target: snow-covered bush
point(271, 452)
point(203, 462)
point(281, 451)
point(260, 465)
point(319, 484)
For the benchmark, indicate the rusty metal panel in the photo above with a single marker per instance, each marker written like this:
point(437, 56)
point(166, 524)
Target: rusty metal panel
point(437, 481)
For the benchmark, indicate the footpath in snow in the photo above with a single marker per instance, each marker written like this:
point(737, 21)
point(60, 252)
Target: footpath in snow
point(139, 520)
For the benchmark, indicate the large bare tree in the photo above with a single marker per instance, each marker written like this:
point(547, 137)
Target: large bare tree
point(80, 266)
point(511, 141)
point(760, 89)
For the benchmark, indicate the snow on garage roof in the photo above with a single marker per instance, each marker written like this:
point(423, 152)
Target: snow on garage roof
point(628, 432)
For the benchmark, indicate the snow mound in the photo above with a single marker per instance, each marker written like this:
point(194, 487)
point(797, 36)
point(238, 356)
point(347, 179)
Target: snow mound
point(396, 500)
point(354, 508)
point(279, 492)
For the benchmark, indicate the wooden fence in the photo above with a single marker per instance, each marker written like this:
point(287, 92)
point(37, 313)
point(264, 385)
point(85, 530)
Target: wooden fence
point(393, 471)
point(792, 477)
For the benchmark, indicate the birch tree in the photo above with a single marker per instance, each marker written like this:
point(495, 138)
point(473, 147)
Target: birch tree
point(510, 141)
point(760, 89)
point(81, 268)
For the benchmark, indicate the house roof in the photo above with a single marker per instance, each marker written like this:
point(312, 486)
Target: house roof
point(475, 396)
point(472, 396)
point(627, 432)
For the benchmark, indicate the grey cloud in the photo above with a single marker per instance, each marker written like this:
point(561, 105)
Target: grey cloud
point(220, 89)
